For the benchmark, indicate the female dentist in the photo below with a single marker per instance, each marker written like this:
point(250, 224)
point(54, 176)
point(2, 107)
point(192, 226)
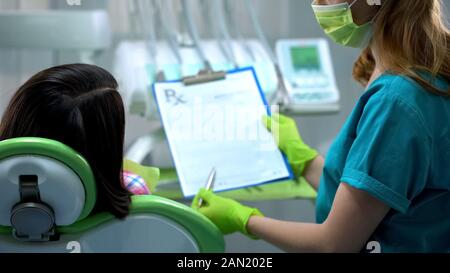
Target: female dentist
point(386, 177)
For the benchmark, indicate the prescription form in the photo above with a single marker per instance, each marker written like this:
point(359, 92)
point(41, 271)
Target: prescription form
point(219, 125)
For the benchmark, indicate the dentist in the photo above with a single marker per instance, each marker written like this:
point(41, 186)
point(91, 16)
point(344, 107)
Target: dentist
point(386, 177)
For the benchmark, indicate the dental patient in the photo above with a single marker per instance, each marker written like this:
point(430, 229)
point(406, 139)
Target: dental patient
point(79, 105)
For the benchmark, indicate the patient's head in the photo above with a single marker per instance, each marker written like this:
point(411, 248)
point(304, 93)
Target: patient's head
point(78, 105)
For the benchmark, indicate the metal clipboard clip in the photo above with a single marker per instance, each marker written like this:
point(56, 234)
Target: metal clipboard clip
point(207, 74)
point(204, 76)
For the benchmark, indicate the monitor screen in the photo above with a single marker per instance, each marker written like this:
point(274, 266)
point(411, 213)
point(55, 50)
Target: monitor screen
point(305, 58)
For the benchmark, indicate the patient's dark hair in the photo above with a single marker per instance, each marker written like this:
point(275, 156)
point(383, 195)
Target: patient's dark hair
point(78, 105)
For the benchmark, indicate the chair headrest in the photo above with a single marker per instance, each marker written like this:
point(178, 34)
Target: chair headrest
point(43, 183)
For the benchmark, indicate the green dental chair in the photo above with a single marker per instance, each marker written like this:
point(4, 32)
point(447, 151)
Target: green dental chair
point(47, 193)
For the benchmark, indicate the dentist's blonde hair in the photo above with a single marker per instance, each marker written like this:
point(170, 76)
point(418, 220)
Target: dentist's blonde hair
point(410, 36)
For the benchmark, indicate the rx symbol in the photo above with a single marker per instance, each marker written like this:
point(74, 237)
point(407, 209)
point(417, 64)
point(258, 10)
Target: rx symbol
point(73, 2)
point(172, 97)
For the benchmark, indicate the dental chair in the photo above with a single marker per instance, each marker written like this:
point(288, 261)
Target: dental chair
point(48, 192)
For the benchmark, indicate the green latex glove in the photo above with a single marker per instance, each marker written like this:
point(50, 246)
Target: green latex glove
point(289, 141)
point(228, 215)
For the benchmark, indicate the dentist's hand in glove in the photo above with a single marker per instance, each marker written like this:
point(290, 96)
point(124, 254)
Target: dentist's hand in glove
point(284, 130)
point(228, 215)
point(305, 161)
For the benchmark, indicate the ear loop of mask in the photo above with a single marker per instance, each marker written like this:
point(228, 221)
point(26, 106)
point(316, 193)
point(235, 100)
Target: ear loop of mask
point(350, 6)
point(377, 14)
point(374, 17)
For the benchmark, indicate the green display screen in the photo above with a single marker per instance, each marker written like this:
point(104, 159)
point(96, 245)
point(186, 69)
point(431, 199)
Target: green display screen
point(305, 58)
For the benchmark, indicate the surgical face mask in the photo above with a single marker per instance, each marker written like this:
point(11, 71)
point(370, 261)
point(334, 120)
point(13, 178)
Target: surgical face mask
point(337, 22)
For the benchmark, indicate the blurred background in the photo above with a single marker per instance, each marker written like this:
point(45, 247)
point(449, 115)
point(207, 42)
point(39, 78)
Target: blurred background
point(280, 19)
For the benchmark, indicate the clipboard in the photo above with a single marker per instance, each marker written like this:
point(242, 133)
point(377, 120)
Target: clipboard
point(281, 172)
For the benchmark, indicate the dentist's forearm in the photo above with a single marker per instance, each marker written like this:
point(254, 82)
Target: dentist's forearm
point(353, 219)
point(290, 236)
point(313, 171)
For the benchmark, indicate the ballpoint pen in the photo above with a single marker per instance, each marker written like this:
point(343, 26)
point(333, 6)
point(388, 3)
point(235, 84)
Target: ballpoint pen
point(209, 184)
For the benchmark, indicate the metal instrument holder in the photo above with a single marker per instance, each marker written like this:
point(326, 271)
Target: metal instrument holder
point(281, 96)
point(170, 33)
point(207, 74)
point(147, 14)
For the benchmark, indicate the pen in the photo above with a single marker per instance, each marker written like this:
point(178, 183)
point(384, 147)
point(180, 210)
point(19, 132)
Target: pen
point(209, 184)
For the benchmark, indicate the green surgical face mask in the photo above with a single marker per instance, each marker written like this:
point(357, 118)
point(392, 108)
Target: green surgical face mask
point(337, 22)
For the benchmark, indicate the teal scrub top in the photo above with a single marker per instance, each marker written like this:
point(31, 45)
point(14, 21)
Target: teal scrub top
point(396, 146)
